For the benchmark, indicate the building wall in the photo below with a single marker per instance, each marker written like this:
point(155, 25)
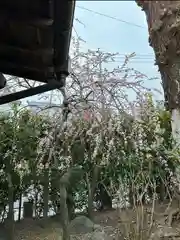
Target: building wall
point(44, 108)
point(7, 107)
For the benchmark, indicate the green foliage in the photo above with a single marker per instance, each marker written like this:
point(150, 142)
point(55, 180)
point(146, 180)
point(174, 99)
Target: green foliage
point(128, 152)
point(19, 136)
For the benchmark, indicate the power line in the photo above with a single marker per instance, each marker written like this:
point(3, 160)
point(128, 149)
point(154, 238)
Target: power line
point(136, 54)
point(144, 62)
point(111, 17)
point(152, 61)
point(135, 58)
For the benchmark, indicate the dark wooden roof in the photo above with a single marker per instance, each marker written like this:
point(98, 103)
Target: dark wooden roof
point(35, 37)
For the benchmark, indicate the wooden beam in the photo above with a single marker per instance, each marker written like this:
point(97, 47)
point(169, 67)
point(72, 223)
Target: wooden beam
point(40, 58)
point(26, 20)
point(63, 24)
point(25, 36)
point(40, 8)
point(42, 75)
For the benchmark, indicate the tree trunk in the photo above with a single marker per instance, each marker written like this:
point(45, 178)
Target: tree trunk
point(133, 195)
point(91, 190)
point(36, 201)
point(20, 206)
point(164, 32)
point(64, 212)
point(46, 193)
point(163, 23)
point(10, 220)
point(90, 201)
point(162, 191)
point(70, 204)
point(55, 189)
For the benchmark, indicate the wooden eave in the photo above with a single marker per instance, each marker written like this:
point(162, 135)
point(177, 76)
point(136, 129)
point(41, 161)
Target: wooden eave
point(35, 37)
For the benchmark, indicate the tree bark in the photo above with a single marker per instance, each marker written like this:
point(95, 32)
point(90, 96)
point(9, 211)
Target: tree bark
point(70, 204)
point(10, 222)
point(64, 212)
point(164, 33)
point(20, 206)
point(46, 193)
point(54, 186)
point(36, 200)
point(132, 195)
point(91, 190)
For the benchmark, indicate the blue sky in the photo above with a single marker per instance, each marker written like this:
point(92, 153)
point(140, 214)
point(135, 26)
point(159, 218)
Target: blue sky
point(115, 36)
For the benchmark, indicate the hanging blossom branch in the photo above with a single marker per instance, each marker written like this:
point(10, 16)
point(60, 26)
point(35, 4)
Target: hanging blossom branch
point(93, 85)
